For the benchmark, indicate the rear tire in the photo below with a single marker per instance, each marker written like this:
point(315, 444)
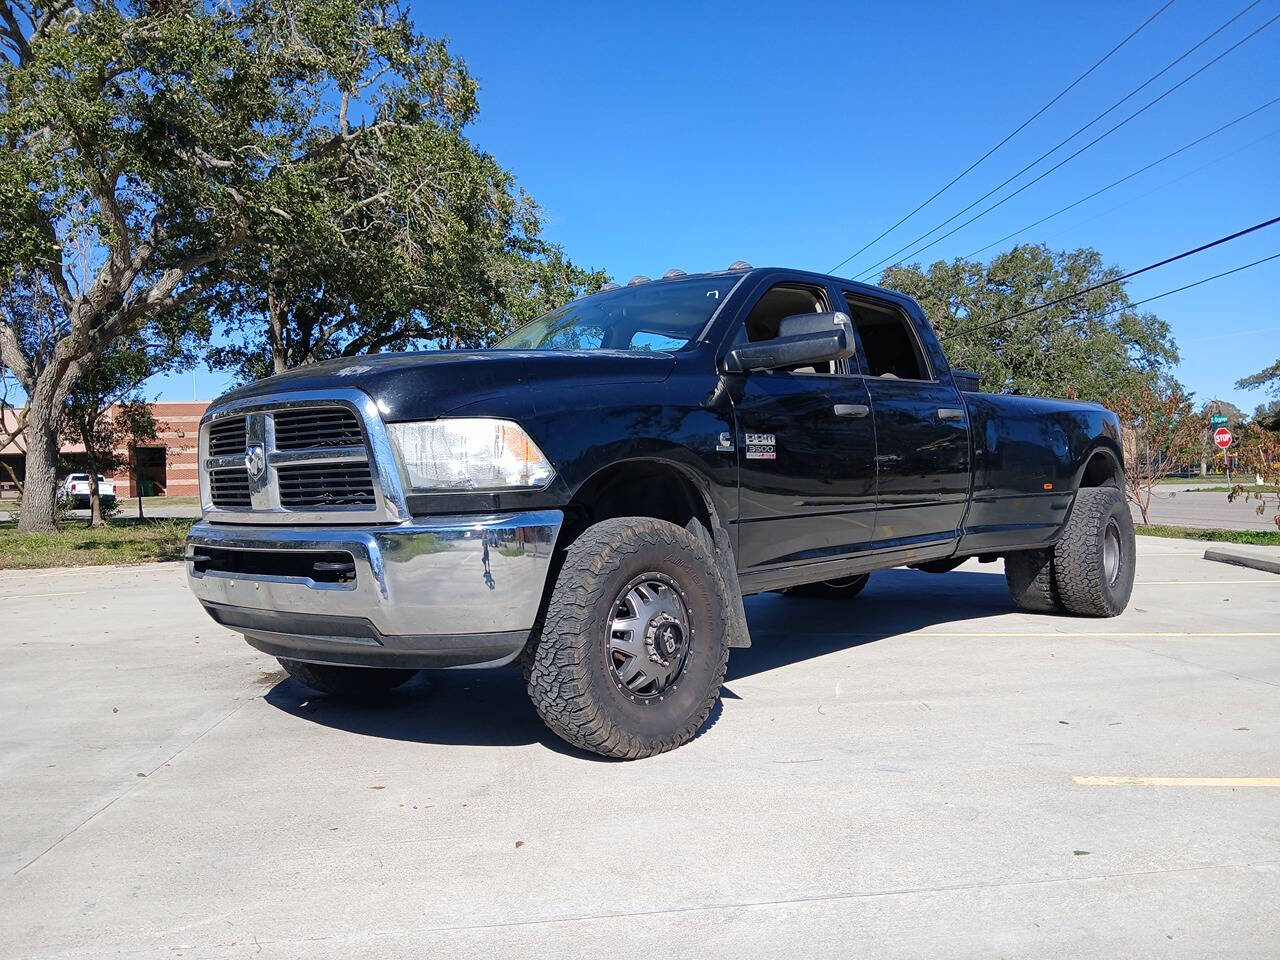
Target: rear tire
point(346, 681)
point(631, 651)
point(1095, 561)
point(1029, 574)
point(844, 587)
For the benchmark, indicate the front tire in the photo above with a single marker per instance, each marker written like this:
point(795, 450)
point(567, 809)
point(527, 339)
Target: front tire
point(1095, 561)
point(633, 645)
point(345, 681)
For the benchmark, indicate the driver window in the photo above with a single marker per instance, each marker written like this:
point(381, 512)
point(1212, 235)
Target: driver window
point(786, 300)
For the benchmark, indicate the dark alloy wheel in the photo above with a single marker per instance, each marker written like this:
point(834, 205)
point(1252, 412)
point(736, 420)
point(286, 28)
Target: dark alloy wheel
point(649, 635)
point(629, 654)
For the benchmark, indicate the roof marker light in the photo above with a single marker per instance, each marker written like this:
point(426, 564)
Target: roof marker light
point(673, 273)
point(638, 279)
point(739, 265)
point(611, 286)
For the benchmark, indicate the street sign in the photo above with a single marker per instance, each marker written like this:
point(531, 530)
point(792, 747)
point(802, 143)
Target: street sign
point(1222, 437)
point(1218, 420)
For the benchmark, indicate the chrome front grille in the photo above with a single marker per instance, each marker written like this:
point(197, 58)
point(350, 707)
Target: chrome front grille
point(325, 485)
point(227, 437)
point(299, 429)
point(229, 487)
point(305, 458)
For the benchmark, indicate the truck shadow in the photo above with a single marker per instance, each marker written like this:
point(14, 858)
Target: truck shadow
point(491, 708)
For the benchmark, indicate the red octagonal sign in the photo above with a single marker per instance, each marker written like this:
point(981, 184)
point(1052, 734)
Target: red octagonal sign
point(1222, 437)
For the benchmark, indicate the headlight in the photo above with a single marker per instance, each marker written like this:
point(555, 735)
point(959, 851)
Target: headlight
point(469, 454)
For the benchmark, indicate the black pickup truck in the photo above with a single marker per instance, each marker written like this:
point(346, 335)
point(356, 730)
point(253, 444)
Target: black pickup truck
point(595, 496)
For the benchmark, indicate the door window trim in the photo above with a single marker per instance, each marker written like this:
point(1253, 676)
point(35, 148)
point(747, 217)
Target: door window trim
point(851, 299)
point(738, 329)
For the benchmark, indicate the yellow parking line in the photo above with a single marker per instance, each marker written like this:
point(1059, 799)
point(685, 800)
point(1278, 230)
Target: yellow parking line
point(1179, 781)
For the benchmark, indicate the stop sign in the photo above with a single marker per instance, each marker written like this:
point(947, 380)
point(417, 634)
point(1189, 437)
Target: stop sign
point(1222, 437)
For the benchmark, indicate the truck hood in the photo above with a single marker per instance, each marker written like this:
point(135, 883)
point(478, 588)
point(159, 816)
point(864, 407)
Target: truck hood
point(411, 386)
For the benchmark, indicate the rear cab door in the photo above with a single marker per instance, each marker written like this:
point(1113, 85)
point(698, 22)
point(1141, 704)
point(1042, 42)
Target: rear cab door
point(921, 425)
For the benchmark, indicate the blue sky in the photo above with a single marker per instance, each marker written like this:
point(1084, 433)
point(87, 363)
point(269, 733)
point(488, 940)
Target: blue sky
point(692, 135)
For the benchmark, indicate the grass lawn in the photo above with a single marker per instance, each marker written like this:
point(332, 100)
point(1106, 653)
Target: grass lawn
point(1245, 488)
point(131, 503)
point(1260, 538)
point(123, 540)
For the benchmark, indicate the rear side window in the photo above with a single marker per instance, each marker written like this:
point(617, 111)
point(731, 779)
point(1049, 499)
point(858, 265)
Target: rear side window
point(889, 343)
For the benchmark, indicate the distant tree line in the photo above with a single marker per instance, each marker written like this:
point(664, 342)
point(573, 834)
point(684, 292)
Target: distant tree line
point(293, 181)
point(292, 173)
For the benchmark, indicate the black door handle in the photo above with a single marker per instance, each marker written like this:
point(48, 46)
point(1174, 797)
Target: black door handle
point(852, 409)
point(950, 413)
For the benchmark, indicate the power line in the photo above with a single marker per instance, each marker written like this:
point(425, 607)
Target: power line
point(1114, 280)
point(956, 179)
point(1167, 183)
point(1116, 183)
point(1080, 130)
point(1188, 286)
point(1035, 270)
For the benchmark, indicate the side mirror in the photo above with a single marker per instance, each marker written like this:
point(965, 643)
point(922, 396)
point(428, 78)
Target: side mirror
point(802, 340)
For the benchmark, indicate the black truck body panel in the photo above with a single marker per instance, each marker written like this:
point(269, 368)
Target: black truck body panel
point(931, 472)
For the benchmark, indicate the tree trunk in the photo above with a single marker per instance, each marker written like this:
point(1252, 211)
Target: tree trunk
point(276, 316)
point(95, 497)
point(40, 489)
point(137, 479)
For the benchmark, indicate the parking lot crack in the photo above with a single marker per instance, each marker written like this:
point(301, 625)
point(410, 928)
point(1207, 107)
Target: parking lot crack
point(848, 896)
point(133, 785)
point(1189, 663)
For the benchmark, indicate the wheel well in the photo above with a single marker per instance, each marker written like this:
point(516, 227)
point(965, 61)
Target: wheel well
point(636, 488)
point(1102, 470)
point(652, 488)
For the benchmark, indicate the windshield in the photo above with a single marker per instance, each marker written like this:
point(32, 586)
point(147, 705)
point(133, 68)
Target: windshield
point(660, 315)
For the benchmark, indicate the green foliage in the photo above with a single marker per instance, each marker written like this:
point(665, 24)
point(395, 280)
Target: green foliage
point(1090, 347)
point(1268, 377)
point(295, 169)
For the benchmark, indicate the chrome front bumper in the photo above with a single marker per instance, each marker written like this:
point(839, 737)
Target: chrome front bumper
point(448, 591)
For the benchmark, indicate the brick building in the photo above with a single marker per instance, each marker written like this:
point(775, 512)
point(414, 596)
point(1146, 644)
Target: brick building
point(168, 465)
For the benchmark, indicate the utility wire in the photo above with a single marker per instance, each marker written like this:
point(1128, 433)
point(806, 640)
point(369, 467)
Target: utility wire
point(1127, 177)
point(1167, 183)
point(1114, 280)
point(1168, 293)
point(1188, 286)
point(1025, 123)
point(1081, 129)
point(1037, 270)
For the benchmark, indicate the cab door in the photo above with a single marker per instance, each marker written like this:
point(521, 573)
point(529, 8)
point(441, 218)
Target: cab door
point(922, 433)
point(805, 442)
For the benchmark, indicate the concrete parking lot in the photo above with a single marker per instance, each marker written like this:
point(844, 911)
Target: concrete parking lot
point(914, 773)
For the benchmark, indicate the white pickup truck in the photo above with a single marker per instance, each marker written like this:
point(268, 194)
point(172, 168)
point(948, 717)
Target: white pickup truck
point(76, 489)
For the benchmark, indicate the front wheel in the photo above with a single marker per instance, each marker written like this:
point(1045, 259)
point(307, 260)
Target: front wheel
point(345, 681)
point(633, 645)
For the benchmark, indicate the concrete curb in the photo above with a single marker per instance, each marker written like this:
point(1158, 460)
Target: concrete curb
point(1265, 564)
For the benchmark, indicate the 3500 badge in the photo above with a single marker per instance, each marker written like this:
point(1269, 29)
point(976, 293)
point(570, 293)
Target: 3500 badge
point(761, 446)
